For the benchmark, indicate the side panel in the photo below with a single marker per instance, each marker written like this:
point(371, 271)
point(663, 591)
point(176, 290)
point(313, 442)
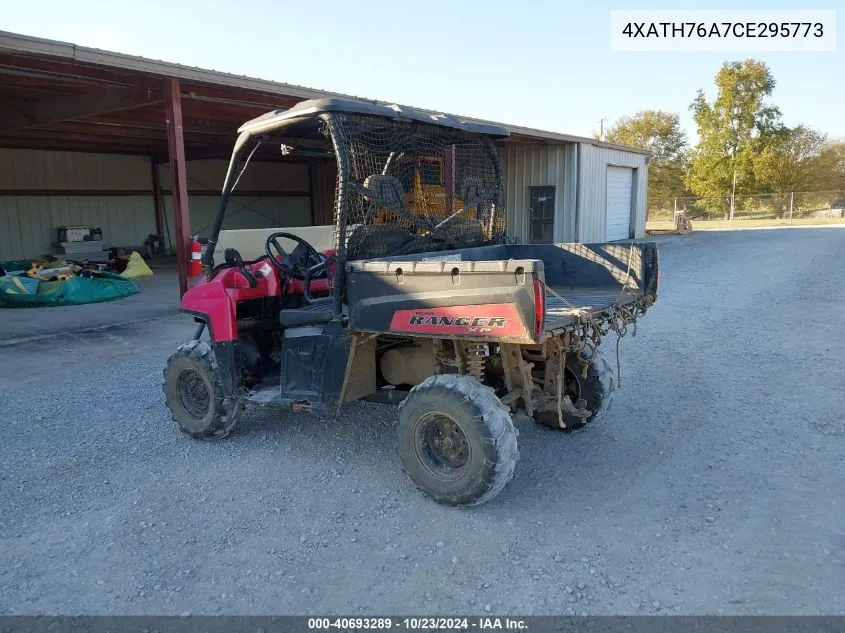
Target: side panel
point(314, 361)
point(496, 319)
point(361, 372)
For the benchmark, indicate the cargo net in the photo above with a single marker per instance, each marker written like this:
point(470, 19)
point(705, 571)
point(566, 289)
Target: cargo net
point(415, 188)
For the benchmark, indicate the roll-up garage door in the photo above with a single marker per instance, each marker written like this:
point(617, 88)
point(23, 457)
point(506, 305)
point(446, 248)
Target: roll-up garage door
point(620, 184)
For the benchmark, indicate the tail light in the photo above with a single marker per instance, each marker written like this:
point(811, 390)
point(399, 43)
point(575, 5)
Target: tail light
point(539, 306)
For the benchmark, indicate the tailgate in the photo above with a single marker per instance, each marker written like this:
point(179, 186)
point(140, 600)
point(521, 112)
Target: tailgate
point(472, 299)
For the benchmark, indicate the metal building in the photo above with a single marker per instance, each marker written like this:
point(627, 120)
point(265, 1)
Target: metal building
point(574, 190)
point(91, 137)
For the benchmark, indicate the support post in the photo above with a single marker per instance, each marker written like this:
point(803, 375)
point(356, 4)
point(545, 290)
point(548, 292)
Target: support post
point(159, 207)
point(179, 180)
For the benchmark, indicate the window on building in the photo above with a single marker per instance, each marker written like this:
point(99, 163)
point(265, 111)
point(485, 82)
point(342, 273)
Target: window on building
point(541, 214)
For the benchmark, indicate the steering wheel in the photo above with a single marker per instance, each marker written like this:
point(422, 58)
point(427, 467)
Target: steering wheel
point(278, 257)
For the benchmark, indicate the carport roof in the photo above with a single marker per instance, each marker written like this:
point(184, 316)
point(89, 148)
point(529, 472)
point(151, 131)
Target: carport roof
point(58, 95)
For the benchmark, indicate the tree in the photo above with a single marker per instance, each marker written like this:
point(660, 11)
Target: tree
point(660, 132)
point(833, 157)
point(732, 129)
point(792, 160)
point(654, 130)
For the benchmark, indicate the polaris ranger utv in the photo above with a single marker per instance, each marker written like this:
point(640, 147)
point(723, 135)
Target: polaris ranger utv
point(426, 304)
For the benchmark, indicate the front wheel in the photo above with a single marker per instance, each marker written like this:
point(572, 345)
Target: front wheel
point(457, 441)
point(193, 390)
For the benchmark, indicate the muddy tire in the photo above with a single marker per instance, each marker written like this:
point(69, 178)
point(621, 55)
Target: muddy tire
point(597, 389)
point(457, 441)
point(193, 390)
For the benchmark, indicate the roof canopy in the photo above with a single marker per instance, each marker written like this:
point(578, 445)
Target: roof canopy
point(314, 107)
point(57, 95)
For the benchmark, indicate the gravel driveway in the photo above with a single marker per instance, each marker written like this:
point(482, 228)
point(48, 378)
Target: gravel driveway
point(714, 485)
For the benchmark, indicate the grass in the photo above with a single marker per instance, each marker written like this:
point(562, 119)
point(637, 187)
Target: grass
point(740, 223)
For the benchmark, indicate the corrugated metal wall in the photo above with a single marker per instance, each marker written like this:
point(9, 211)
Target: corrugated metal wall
point(28, 222)
point(323, 180)
point(124, 205)
point(209, 175)
point(592, 187)
point(537, 165)
point(127, 216)
point(40, 169)
point(243, 211)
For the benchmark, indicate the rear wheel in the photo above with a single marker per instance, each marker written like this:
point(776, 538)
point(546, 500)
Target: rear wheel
point(193, 390)
point(596, 388)
point(457, 441)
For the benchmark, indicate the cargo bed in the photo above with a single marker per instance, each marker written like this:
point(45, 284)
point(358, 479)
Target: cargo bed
point(582, 300)
point(492, 291)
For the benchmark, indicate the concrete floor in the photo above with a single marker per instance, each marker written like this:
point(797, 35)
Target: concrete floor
point(159, 296)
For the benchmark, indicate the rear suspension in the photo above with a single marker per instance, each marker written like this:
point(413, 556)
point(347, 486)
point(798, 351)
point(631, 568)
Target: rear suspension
point(476, 359)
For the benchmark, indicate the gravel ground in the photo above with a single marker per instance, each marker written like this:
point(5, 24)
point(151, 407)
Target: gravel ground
point(713, 486)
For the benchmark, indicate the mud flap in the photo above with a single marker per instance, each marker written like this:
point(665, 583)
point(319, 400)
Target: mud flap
point(314, 360)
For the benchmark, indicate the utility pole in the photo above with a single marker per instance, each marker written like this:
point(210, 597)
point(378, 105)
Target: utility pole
point(791, 202)
point(733, 196)
point(601, 128)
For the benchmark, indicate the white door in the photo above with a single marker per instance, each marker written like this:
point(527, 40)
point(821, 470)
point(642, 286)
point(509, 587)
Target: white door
point(620, 184)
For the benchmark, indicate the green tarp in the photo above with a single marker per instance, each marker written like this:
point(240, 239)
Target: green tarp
point(16, 265)
point(24, 291)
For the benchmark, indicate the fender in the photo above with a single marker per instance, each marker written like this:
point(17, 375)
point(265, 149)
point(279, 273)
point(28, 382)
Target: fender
point(215, 302)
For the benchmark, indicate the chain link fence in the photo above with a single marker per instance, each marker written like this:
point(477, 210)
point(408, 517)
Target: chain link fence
point(785, 207)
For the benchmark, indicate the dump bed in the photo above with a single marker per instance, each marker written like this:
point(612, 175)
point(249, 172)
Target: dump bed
point(508, 292)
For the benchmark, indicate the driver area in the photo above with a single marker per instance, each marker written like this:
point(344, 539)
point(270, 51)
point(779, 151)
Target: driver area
point(296, 250)
point(305, 270)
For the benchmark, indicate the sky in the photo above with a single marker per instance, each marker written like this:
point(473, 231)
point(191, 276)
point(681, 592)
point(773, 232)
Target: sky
point(538, 63)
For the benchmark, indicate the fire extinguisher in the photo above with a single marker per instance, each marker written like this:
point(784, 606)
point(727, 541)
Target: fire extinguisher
point(195, 265)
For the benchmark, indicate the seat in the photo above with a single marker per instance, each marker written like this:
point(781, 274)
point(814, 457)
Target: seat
point(312, 314)
point(386, 191)
point(474, 192)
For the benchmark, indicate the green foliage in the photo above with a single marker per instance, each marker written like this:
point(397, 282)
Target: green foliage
point(832, 158)
point(732, 129)
point(654, 130)
point(740, 136)
point(660, 132)
point(792, 160)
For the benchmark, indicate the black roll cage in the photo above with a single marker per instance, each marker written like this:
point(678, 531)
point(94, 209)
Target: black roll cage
point(264, 129)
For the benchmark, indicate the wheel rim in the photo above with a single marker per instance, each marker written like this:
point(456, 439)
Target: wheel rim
point(571, 385)
point(441, 446)
point(194, 395)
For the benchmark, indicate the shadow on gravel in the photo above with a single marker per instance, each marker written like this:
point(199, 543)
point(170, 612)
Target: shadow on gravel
point(555, 468)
